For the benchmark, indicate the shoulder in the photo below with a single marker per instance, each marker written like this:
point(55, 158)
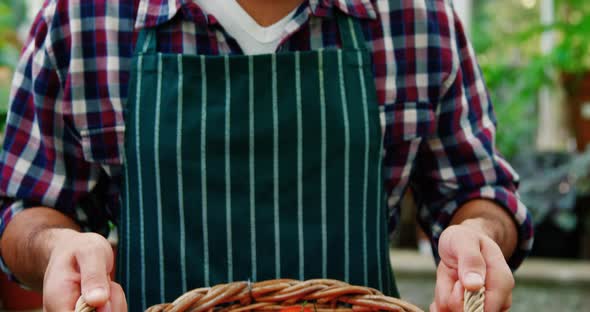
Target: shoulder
point(421, 36)
point(71, 14)
point(436, 14)
point(413, 4)
point(79, 28)
point(416, 24)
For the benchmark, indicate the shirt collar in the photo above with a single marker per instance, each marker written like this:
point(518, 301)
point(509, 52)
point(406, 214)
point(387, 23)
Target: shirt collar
point(152, 13)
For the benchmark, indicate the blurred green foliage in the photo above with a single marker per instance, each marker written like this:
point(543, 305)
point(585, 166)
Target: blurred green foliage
point(496, 26)
point(572, 54)
point(506, 35)
point(12, 14)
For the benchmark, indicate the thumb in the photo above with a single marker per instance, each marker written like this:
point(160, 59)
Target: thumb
point(95, 264)
point(471, 264)
point(461, 248)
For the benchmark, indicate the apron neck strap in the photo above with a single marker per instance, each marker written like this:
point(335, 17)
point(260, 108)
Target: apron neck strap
point(146, 40)
point(351, 33)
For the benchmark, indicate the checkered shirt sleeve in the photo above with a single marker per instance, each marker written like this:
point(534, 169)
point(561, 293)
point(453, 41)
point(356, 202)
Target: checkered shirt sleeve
point(458, 161)
point(42, 161)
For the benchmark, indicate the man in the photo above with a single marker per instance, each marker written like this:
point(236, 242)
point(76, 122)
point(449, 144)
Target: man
point(251, 167)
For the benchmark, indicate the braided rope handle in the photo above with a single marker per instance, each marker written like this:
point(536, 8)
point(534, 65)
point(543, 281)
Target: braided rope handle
point(82, 306)
point(473, 300)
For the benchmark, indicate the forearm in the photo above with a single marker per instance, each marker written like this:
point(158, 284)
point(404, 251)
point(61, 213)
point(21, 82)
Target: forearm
point(28, 240)
point(491, 219)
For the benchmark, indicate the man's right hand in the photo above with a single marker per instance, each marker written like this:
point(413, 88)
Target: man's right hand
point(80, 263)
point(44, 249)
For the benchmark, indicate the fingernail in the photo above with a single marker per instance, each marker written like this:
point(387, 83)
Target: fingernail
point(473, 279)
point(96, 294)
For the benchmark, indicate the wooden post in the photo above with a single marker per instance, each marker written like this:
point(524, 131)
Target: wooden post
point(553, 132)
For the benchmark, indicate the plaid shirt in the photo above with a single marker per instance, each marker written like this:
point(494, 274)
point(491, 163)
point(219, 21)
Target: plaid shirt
point(65, 129)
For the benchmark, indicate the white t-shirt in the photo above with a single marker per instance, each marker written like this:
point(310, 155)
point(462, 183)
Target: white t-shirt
point(252, 38)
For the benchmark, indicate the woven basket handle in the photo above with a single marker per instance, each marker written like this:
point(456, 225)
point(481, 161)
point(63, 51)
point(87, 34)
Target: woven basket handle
point(473, 302)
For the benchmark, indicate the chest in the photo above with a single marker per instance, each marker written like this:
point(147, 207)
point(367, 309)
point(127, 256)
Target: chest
point(408, 62)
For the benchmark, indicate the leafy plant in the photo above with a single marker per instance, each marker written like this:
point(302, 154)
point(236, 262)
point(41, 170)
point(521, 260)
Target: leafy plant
point(507, 39)
point(572, 53)
point(511, 75)
point(506, 36)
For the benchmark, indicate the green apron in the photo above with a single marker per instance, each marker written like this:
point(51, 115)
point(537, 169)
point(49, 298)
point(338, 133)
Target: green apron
point(252, 168)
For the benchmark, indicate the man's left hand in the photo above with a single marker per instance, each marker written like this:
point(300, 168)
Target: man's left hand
point(470, 260)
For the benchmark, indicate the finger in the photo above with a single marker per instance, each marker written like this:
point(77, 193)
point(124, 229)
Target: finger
point(95, 261)
point(498, 290)
point(61, 287)
point(507, 303)
point(462, 248)
point(433, 307)
point(107, 307)
point(445, 279)
point(61, 297)
point(118, 301)
point(499, 281)
point(456, 298)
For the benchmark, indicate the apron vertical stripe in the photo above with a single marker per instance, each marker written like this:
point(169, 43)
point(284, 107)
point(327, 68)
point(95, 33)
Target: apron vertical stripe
point(127, 191)
point(128, 225)
point(275, 123)
point(179, 174)
point(228, 225)
point(366, 165)
point(388, 272)
point(346, 170)
point(379, 221)
point(323, 164)
point(251, 167)
point(157, 178)
point(353, 33)
point(139, 184)
point(148, 41)
point(204, 172)
point(299, 166)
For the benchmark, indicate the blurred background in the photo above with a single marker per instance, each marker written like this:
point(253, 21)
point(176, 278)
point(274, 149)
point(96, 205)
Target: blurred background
point(535, 55)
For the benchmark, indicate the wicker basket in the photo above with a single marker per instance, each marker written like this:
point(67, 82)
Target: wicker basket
point(285, 295)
